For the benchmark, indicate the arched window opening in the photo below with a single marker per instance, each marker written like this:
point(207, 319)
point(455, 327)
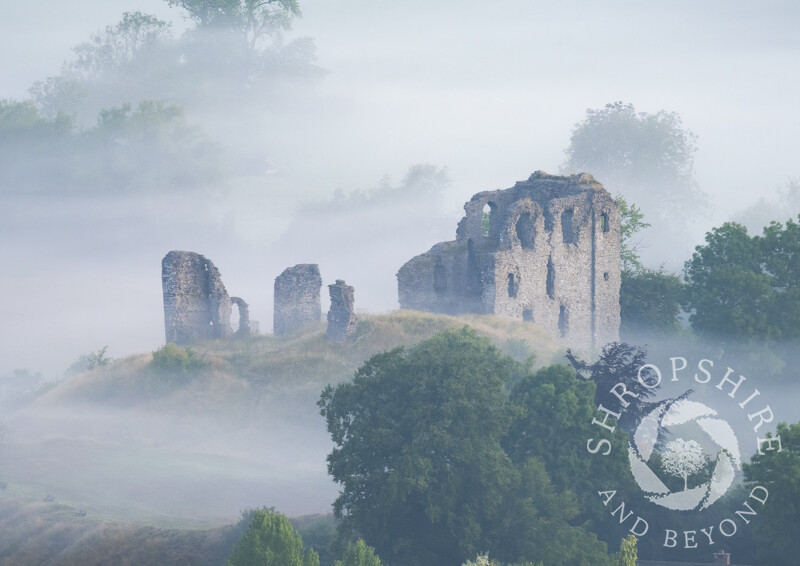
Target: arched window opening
point(487, 218)
point(604, 222)
point(525, 231)
point(243, 326)
point(513, 283)
point(567, 228)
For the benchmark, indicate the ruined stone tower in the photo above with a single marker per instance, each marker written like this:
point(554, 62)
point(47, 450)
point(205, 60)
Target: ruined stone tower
point(196, 304)
point(342, 320)
point(297, 298)
point(544, 251)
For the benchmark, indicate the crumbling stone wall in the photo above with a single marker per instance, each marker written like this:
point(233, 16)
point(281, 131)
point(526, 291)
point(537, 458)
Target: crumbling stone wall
point(297, 298)
point(196, 304)
point(342, 318)
point(244, 316)
point(544, 251)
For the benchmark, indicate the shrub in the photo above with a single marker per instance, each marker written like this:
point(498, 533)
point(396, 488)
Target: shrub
point(172, 359)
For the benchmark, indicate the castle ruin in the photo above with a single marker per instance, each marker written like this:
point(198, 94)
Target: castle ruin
point(544, 251)
point(196, 305)
point(297, 298)
point(342, 320)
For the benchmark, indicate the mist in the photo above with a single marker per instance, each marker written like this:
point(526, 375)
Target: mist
point(351, 140)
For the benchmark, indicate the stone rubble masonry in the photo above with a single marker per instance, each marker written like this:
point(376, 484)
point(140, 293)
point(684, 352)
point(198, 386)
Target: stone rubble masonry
point(544, 251)
point(297, 298)
point(244, 316)
point(196, 305)
point(342, 318)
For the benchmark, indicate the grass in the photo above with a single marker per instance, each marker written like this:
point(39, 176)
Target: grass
point(162, 458)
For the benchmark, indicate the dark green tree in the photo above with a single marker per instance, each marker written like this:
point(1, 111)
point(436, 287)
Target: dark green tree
point(553, 412)
point(424, 477)
point(650, 300)
point(270, 540)
point(746, 288)
point(775, 533)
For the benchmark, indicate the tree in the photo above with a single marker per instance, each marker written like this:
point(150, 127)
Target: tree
point(631, 222)
point(746, 288)
point(270, 540)
point(358, 554)
point(682, 458)
point(619, 363)
point(417, 449)
point(423, 475)
point(650, 300)
point(647, 157)
point(121, 45)
point(253, 20)
point(627, 555)
point(779, 472)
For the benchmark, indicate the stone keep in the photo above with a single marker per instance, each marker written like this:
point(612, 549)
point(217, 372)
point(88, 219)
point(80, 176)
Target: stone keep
point(297, 298)
point(342, 320)
point(544, 251)
point(196, 305)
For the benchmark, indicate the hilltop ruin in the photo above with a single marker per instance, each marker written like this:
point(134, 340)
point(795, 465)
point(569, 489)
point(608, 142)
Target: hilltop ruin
point(543, 251)
point(196, 305)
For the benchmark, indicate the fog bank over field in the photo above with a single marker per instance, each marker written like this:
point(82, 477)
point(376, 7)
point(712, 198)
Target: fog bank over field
point(483, 94)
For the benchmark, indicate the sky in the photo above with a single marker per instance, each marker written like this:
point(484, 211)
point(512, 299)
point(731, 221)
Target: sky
point(491, 91)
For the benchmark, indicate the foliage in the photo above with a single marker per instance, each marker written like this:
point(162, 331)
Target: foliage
point(90, 361)
point(619, 363)
point(358, 554)
point(746, 288)
point(172, 359)
point(556, 399)
point(779, 472)
point(627, 555)
point(130, 41)
point(631, 222)
point(650, 300)
point(128, 150)
point(253, 20)
point(424, 477)
point(648, 157)
point(270, 540)
point(411, 483)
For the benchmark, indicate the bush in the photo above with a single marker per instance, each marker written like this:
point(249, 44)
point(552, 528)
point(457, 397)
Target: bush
point(172, 359)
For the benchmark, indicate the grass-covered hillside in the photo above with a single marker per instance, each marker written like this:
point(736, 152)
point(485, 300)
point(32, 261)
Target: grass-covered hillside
point(177, 442)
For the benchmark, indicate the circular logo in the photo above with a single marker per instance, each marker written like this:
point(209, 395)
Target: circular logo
point(685, 444)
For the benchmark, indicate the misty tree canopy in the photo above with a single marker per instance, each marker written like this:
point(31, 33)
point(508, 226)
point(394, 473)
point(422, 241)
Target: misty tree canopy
point(254, 20)
point(148, 147)
point(649, 158)
point(234, 45)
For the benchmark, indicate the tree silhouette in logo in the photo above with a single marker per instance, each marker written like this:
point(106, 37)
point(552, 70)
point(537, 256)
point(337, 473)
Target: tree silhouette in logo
point(683, 458)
